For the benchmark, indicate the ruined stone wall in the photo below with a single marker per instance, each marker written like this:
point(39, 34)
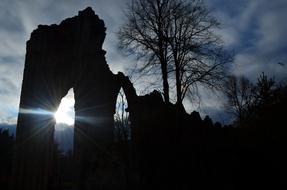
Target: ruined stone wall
point(60, 57)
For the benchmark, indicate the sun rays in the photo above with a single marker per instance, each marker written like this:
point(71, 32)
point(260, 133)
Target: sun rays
point(65, 113)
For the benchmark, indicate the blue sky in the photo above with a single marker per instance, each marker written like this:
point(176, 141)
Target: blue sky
point(253, 30)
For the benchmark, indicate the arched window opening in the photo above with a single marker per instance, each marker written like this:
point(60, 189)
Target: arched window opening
point(65, 119)
point(121, 119)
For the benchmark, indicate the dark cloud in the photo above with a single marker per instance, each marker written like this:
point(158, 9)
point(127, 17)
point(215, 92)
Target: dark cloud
point(19, 18)
point(253, 30)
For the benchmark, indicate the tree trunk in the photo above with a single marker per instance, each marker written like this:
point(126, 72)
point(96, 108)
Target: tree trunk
point(165, 81)
point(178, 84)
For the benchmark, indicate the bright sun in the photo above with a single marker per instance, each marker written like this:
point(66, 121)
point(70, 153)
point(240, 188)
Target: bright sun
point(65, 113)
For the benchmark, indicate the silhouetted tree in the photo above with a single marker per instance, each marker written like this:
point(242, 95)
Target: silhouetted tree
point(247, 101)
point(143, 35)
point(6, 153)
point(268, 95)
point(239, 92)
point(178, 35)
point(208, 121)
point(265, 89)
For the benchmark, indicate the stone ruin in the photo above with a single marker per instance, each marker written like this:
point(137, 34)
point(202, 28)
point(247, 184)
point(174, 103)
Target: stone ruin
point(167, 143)
point(58, 58)
point(70, 55)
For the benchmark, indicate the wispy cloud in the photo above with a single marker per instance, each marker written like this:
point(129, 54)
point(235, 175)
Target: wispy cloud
point(253, 30)
point(19, 18)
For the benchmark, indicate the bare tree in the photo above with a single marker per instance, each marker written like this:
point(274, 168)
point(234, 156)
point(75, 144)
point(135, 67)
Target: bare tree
point(143, 35)
point(240, 96)
point(265, 89)
point(179, 36)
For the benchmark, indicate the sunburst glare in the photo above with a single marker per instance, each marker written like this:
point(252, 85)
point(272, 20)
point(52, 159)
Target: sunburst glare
point(65, 113)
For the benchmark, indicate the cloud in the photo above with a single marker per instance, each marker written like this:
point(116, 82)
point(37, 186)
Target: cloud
point(253, 30)
point(19, 18)
point(272, 30)
point(269, 45)
point(11, 69)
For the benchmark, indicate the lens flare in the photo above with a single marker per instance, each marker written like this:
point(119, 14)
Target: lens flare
point(65, 113)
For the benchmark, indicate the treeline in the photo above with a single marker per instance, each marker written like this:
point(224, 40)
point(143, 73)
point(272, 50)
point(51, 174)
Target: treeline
point(169, 148)
point(247, 101)
point(158, 145)
point(6, 153)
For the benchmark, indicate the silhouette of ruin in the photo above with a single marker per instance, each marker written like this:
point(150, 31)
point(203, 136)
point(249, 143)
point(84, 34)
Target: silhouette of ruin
point(168, 149)
point(58, 58)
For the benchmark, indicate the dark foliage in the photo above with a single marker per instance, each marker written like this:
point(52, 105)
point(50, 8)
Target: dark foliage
point(6, 150)
point(162, 147)
point(191, 153)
